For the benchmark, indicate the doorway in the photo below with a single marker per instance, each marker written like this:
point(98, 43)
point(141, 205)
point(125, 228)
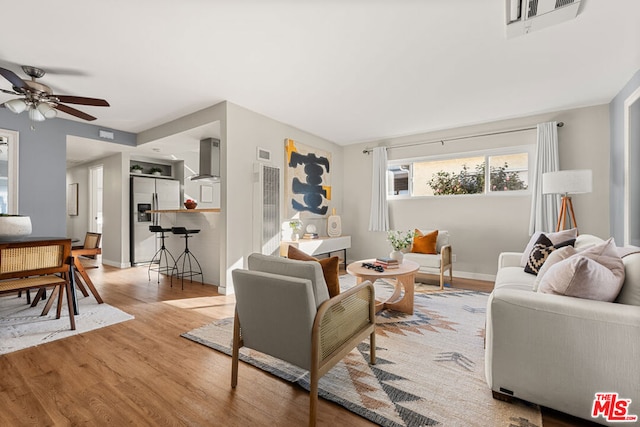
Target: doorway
point(95, 198)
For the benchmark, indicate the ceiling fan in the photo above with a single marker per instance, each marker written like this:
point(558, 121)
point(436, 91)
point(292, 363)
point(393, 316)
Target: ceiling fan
point(39, 100)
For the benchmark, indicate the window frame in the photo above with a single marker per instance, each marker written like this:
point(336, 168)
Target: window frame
point(529, 149)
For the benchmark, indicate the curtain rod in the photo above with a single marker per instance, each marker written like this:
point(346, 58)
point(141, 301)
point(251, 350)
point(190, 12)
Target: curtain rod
point(443, 140)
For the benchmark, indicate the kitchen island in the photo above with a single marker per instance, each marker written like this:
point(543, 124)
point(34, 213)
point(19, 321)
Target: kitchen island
point(205, 245)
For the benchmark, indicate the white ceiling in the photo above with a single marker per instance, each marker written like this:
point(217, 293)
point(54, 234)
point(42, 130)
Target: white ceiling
point(346, 70)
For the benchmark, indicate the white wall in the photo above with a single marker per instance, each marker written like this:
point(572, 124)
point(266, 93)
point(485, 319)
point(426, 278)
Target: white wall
point(77, 226)
point(115, 229)
point(481, 226)
point(193, 189)
point(247, 130)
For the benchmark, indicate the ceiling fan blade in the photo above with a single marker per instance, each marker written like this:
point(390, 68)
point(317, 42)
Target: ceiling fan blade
point(74, 112)
point(9, 91)
point(13, 78)
point(82, 100)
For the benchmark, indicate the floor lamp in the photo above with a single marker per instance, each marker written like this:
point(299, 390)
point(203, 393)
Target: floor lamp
point(565, 183)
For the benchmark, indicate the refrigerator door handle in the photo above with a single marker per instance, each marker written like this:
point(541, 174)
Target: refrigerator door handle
point(154, 206)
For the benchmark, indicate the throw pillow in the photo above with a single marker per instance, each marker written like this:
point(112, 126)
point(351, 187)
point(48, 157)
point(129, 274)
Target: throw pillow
point(556, 237)
point(541, 250)
point(554, 258)
point(425, 244)
point(330, 268)
point(596, 273)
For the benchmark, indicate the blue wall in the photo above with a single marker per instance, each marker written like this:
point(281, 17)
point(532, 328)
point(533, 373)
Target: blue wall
point(42, 167)
point(616, 114)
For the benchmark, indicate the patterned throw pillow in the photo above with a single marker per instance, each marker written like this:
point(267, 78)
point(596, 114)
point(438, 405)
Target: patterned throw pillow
point(541, 250)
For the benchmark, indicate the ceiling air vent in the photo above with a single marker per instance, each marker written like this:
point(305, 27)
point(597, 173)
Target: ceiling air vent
point(525, 16)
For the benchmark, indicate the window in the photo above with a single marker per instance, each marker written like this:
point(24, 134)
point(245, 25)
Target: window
point(507, 171)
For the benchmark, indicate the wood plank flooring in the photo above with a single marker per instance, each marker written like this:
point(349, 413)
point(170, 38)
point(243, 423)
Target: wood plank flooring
point(141, 372)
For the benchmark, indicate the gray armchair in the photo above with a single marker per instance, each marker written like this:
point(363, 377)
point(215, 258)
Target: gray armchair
point(283, 309)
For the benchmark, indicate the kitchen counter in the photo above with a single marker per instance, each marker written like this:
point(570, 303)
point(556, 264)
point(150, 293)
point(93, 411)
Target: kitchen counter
point(204, 210)
point(205, 245)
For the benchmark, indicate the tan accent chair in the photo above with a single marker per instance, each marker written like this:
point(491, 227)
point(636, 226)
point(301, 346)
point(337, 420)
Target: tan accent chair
point(435, 264)
point(316, 332)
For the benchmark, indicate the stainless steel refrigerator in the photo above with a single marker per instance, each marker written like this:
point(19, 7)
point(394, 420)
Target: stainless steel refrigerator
point(149, 194)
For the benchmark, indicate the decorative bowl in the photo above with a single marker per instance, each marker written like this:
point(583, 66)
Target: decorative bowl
point(14, 226)
point(190, 204)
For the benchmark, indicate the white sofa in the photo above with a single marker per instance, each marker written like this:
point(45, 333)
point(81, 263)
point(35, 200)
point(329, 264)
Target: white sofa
point(559, 351)
point(437, 263)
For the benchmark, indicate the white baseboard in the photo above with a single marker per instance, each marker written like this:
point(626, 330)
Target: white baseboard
point(116, 264)
point(474, 276)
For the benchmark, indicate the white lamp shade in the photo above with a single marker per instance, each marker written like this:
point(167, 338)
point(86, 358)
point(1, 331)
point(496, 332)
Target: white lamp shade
point(47, 110)
point(567, 182)
point(36, 115)
point(16, 105)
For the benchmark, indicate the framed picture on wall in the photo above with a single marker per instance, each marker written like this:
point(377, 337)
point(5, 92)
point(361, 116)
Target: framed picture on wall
point(308, 180)
point(72, 199)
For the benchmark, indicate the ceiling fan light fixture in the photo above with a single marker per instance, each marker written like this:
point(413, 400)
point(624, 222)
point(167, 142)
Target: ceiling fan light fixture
point(16, 105)
point(36, 115)
point(47, 110)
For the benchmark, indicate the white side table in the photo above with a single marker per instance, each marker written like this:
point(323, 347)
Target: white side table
point(319, 246)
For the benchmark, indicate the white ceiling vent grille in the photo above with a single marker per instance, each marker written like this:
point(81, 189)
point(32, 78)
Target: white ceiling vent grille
point(524, 16)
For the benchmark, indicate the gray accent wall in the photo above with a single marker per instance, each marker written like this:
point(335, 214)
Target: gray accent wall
point(42, 167)
point(616, 118)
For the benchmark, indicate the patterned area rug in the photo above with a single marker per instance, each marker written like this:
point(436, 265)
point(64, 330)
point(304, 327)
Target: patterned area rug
point(429, 371)
point(21, 326)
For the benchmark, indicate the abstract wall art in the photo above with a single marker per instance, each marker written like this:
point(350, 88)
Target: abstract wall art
point(308, 184)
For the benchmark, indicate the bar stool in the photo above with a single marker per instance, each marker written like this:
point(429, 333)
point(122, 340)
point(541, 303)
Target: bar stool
point(163, 252)
point(186, 256)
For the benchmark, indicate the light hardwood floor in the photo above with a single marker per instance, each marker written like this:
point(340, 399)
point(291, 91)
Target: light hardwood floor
point(141, 372)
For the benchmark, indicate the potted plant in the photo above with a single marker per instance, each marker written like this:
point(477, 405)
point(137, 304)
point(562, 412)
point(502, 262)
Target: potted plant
point(296, 226)
point(155, 171)
point(399, 241)
point(136, 169)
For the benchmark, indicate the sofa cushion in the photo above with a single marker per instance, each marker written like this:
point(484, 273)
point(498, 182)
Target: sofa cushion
point(554, 258)
point(630, 292)
point(425, 260)
point(556, 237)
point(541, 250)
point(425, 243)
point(596, 273)
point(330, 268)
point(514, 278)
point(585, 241)
point(294, 268)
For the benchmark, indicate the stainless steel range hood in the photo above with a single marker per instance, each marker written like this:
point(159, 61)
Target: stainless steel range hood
point(209, 159)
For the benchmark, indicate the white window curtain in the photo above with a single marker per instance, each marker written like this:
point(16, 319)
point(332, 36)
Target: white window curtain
point(379, 219)
point(544, 208)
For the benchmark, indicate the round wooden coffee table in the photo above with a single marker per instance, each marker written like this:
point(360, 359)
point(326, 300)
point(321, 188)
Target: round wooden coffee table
point(403, 278)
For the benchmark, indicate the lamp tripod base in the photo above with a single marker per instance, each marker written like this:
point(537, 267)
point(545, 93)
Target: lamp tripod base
point(566, 209)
